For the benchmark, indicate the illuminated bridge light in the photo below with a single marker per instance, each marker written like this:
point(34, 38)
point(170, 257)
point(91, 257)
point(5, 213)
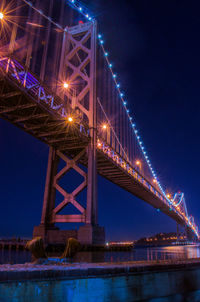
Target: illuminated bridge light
point(70, 119)
point(1, 16)
point(138, 163)
point(65, 85)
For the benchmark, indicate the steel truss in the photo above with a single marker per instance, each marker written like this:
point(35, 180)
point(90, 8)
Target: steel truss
point(78, 65)
point(50, 213)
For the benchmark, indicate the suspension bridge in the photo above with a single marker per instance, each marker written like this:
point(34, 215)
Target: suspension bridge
point(58, 84)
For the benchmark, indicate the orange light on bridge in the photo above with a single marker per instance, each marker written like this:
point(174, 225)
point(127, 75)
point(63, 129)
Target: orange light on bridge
point(104, 126)
point(1, 16)
point(168, 195)
point(66, 85)
point(70, 119)
point(138, 163)
point(99, 144)
point(154, 180)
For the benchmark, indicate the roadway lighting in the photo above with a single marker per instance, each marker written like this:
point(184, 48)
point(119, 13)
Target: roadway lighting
point(66, 85)
point(168, 195)
point(1, 16)
point(138, 163)
point(154, 180)
point(70, 119)
point(104, 126)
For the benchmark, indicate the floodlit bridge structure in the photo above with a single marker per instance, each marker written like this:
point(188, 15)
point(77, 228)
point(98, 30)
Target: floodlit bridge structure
point(57, 84)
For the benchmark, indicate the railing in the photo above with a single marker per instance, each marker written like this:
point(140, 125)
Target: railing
point(29, 83)
point(122, 163)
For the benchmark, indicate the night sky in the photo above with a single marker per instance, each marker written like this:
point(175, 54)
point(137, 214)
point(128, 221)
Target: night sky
point(155, 47)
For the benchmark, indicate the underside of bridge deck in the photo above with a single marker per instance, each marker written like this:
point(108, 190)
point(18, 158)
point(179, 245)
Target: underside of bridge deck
point(26, 113)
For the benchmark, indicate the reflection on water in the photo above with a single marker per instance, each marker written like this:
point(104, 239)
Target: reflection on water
point(12, 256)
point(137, 254)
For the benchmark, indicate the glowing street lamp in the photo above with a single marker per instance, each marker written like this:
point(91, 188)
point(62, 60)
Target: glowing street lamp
point(104, 126)
point(168, 195)
point(154, 180)
point(1, 16)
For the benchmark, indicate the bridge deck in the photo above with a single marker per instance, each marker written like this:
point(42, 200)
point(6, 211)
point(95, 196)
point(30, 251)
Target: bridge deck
point(24, 111)
point(117, 175)
point(24, 107)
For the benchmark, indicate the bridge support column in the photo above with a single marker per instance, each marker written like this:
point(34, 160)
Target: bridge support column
point(78, 68)
point(90, 232)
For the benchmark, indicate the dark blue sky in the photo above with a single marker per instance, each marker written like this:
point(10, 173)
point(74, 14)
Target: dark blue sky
point(155, 49)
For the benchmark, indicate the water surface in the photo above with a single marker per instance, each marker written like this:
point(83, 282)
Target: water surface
point(137, 254)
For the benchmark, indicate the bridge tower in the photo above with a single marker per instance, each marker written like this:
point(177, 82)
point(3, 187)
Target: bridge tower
point(78, 68)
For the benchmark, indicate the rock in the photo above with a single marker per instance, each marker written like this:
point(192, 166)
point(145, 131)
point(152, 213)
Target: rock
point(72, 247)
point(36, 247)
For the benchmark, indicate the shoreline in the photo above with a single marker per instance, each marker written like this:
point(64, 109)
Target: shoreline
point(54, 269)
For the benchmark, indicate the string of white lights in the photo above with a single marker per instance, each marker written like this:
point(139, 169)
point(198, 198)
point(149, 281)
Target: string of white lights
point(79, 8)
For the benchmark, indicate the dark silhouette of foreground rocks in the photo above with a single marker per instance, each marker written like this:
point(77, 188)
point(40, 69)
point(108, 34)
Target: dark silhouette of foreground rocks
point(36, 247)
point(72, 247)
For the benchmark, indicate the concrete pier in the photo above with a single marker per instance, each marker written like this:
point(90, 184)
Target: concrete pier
point(131, 281)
